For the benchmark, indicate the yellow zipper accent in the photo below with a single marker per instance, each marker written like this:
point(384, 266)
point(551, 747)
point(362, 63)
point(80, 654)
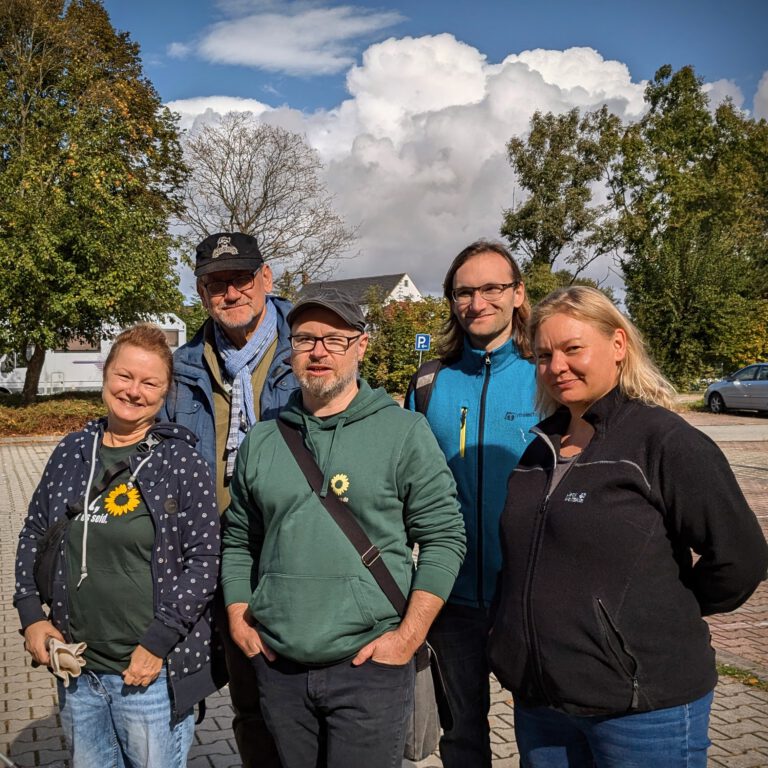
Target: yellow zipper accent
point(463, 432)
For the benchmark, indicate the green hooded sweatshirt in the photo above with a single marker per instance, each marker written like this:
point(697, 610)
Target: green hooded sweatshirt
point(283, 554)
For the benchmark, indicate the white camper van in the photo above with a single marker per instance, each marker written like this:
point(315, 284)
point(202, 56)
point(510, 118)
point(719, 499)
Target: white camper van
point(79, 366)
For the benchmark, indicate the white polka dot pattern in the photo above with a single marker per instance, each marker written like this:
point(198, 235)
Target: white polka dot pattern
point(178, 489)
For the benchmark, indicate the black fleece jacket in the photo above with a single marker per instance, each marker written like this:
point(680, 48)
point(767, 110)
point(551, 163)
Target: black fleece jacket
point(600, 603)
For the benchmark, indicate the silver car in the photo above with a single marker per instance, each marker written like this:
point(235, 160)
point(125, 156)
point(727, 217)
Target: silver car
point(746, 389)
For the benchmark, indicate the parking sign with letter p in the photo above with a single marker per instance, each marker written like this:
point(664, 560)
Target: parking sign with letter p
point(423, 342)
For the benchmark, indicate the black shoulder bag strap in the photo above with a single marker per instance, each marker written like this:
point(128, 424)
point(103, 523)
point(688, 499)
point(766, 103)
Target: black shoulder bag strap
point(48, 547)
point(422, 383)
point(369, 552)
point(145, 446)
point(98, 488)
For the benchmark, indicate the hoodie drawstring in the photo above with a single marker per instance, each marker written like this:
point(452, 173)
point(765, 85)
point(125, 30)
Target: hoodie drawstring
point(86, 511)
point(87, 504)
point(328, 462)
point(327, 467)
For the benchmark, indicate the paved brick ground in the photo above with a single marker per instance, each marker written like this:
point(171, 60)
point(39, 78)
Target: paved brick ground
point(744, 632)
point(29, 731)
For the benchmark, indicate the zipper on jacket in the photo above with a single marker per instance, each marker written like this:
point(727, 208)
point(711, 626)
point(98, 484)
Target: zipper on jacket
point(154, 516)
point(528, 589)
point(480, 450)
point(632, 674)
point(463, 432)
point(65, 575)
point(65, 572)
point(536, 431)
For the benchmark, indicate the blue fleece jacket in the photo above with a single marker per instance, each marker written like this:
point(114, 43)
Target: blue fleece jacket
point(481, 410)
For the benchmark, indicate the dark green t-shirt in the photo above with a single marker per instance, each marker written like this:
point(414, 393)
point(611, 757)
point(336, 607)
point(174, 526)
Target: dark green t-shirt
point(113, 606)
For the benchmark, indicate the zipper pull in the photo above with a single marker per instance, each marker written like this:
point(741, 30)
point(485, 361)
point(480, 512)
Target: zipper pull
point(463, 432)
point(487, 358)
point(635, 694)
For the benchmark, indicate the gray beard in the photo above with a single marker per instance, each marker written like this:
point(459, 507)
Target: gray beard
point(326, 390)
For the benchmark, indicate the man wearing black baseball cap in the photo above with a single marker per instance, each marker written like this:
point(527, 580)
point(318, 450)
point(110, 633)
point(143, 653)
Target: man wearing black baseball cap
point(232, 374)
point(336, 301)
point(333, 655)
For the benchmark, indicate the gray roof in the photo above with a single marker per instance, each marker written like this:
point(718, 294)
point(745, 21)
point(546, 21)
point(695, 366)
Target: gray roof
point(358, 288)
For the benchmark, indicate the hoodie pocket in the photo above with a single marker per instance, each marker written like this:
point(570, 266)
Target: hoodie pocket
point(619, 650)
point(310, 618)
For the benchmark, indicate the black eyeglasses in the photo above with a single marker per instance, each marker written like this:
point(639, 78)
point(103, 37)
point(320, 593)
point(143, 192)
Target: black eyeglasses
point(240, 283)
point(489, 292)
point(336, 345)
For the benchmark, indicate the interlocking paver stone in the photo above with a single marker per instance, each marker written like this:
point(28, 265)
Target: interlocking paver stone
point(29, 726)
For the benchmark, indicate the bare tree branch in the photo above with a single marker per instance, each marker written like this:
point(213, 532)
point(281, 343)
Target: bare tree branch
point(260, 179)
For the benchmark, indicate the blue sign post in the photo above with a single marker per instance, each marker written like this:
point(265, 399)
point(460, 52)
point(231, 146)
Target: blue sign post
point(422, 344)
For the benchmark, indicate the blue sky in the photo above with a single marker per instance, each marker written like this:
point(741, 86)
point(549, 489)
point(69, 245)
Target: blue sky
point(723, 40)
point(410, 105)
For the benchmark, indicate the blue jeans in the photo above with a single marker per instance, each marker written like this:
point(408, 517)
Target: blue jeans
point(336, 716)
point(108, 724)
point(459, 637)
point(665, 738)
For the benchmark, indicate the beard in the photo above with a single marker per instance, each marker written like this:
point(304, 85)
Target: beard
point(248, 318)
point(326, 389)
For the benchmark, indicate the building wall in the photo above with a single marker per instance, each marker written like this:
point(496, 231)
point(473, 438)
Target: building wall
point(405, 289)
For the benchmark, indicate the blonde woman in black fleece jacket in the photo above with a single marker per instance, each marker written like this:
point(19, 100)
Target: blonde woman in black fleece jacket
point(623, 527)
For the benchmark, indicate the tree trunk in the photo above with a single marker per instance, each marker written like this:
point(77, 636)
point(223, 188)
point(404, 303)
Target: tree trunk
point(32, 379)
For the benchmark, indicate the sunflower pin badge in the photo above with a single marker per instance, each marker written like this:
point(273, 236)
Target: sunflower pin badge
point(340, 485)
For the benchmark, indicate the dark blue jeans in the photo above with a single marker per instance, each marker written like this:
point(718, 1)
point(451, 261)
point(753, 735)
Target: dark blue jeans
point(336, 716)
point(459, 637)
point(665, 738)
point(254, 741)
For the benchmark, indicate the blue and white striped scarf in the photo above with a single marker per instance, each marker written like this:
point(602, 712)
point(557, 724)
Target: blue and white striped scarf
point(239, 365)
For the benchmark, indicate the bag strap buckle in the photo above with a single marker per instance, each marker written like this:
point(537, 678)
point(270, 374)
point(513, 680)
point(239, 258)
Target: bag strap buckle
point(370, 556)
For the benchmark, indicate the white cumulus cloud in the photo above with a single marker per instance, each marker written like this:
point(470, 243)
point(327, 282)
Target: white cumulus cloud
point(720, 90)
point(179, 50)
point(416, 156)
point(760, 104)
point(206, 107)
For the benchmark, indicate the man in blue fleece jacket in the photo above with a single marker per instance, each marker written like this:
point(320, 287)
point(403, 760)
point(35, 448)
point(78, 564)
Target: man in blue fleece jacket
point(480, 408)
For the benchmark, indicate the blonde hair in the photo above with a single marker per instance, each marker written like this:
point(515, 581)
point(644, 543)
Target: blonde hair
point(639, 377)
point(145, 336)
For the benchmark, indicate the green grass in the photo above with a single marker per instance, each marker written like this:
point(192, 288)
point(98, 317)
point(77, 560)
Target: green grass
point(743, 676)
point(50, 415)
point(695, 405)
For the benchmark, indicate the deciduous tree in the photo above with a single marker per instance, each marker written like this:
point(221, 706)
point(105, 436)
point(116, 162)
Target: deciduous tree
point(560, 166)
point(261, 179)
point(541, 280)
point(89, 162)
point(390, 360)
point(193, 314)
point(690, 193)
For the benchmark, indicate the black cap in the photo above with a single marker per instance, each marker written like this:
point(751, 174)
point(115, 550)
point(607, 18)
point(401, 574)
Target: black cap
point(341, 304)
point(227, 250)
